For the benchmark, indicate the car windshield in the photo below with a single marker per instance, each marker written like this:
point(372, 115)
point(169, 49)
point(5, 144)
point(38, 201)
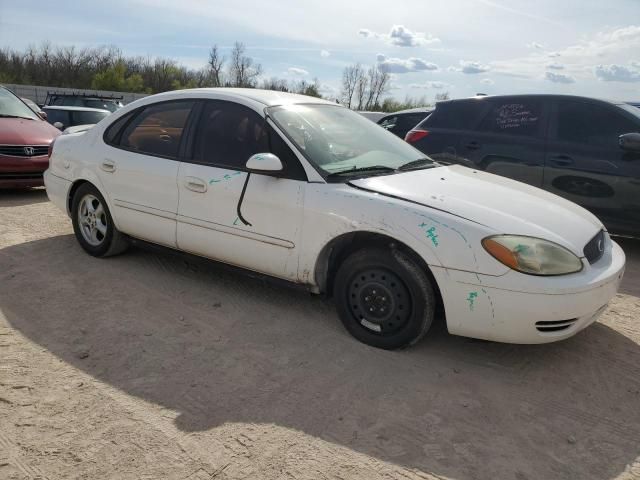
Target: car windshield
point(12, 107)
point(88, 118)
point(341, 142)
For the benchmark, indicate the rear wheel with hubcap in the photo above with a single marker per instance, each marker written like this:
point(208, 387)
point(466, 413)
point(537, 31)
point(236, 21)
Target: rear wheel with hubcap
point(93, 225)
point(383, 298)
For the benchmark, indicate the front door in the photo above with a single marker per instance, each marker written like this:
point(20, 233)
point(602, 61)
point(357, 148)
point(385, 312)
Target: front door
point(585, 164)
point(260, 233)
point(139, 169)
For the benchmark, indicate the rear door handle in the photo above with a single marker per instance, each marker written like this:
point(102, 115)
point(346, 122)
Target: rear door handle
point(108, 166)
point(562, 160)
point(195, 184)
point(472, 145)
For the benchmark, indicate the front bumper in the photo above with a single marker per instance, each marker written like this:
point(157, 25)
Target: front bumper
point(517, 308)
point(22, 172)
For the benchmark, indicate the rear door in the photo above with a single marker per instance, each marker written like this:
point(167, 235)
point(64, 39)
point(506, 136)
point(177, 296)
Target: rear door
point(444, 127)
point(510, 140)
point(139, 168)
point(585, 164)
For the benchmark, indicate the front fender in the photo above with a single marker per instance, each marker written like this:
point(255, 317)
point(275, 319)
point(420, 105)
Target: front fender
point(441, 239)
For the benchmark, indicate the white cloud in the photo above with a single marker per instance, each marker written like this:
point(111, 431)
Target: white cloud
point(300, 72)
point(401, 36)
point(604, 54)
point(325, 53)
point(536, 45)
point(470, 68)
point(399, 65)
point(430, 84)
point(559, 77)
point(618, 73)
point(487, 81)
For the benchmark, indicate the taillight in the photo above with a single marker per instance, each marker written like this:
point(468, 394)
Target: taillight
point(414, 135)
point(50, 151)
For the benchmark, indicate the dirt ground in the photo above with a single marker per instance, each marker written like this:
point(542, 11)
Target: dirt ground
point(151, 365)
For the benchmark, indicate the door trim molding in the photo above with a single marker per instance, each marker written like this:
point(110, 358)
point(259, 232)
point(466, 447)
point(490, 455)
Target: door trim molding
point(238, 232)
point(144, 209)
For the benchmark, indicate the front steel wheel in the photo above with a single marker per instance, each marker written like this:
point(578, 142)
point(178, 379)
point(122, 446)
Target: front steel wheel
point(384, 298)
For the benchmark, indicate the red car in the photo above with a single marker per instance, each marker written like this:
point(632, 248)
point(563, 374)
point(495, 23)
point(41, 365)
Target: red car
point(24, 143)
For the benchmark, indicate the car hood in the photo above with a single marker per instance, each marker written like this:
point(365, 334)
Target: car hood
point(19, 131)
point(503, 205)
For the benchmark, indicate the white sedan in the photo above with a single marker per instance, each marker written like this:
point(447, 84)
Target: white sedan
point(308, 191)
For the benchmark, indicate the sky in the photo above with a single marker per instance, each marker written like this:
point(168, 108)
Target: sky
point(463, 47)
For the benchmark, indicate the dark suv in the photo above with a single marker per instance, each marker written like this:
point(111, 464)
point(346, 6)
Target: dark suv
point(583, 149)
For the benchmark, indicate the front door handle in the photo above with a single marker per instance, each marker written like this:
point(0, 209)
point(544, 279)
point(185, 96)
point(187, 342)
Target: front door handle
point(108, 166)
point(562, 160)
point(195, 184)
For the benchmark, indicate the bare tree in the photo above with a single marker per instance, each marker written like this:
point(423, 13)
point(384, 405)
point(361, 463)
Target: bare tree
point(243, 71)
point(216, 62)
point(378, 85)
point(350, 77)
point(362, 88)
point(441, 97)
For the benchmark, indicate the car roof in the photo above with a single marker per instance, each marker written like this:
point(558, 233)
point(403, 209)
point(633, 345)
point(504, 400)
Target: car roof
point(266, 97)
point(529, 95)
point(74, 109)
point(412, 110)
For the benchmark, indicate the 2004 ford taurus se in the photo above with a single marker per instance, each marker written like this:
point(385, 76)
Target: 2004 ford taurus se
point(311, 192)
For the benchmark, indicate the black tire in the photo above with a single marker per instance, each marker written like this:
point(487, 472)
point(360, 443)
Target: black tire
point(397, 296)
point(106, 244)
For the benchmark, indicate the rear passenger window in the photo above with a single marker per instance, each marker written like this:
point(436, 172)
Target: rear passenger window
point(456, 115)
point(158, 129)
point(591, 124)
point(111, 135)
point(514, 118)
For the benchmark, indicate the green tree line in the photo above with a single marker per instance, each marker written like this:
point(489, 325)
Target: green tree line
point(107, 68)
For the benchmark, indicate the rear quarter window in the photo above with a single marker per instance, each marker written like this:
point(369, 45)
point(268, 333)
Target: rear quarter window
point(514, 117)
point(456, 115)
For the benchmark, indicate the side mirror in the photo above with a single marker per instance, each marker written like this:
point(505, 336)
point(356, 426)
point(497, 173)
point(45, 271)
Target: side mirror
point(630, 142)
point(264, 163)
point(42, 114)
point(59, 125)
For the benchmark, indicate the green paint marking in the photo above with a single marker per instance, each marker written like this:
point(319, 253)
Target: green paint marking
point(227, 176)
point(235, 222)
point(431, 233)
point(471, 299)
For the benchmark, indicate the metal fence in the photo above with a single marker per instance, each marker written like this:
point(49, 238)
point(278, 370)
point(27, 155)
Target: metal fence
point(39, 93)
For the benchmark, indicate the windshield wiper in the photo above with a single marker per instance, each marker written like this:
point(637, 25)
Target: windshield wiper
point(356, 170)
point(420, 163)
point(2, 115)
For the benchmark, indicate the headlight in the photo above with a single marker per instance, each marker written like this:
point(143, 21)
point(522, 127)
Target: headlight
point(532, 255)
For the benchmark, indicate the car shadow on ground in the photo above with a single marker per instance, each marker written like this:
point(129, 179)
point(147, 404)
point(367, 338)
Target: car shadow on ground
point(19, 198)
point(220, 347)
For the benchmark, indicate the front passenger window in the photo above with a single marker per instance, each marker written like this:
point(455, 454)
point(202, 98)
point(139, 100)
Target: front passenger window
point(229, 134)
point(158, 129)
